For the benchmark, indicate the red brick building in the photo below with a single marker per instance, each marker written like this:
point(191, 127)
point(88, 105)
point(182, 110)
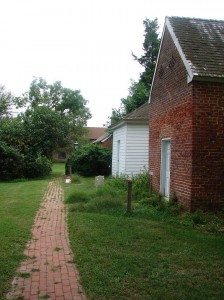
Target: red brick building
point(186, 114)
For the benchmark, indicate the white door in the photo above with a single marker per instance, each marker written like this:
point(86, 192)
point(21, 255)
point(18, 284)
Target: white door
point(165, 168)
point(118, 157)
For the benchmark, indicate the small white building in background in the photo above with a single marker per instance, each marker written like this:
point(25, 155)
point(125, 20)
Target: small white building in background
point(130, 143)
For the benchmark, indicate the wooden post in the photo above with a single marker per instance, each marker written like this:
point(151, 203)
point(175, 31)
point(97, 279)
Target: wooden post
point(150, 184)
point(150, 178)
point(129, 195)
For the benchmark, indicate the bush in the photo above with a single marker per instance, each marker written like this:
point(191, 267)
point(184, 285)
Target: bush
point(11, 162)
point(118, 183)
point(90, 160)
point(141, 185)
point(37, 166)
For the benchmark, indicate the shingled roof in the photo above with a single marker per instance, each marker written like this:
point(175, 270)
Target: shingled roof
point(140, 114)
point(200, 44)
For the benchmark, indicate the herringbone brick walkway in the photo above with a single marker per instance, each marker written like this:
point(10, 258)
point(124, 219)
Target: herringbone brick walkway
point(49, 271)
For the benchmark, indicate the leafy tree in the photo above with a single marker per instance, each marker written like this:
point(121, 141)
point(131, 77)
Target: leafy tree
point(11, 162)
point(139, 91)
point(45, 130)
point(91, 160)
point(58, 98)
point(150, 51)
point(55, 117)
point(18, 157)
point(6, 100)
point(69, 103)
point(138, 95)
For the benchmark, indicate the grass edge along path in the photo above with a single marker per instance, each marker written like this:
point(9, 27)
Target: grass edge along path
point(19, 202)
point(122, 256)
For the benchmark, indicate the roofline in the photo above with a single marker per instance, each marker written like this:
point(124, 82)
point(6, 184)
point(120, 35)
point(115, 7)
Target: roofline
point(118, 124)
point(129, 121)
point(106, 138)
point(103, 140)
point(209, 78)
point(179, 49)
point(160, 46)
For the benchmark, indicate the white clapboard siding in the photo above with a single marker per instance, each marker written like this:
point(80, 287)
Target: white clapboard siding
point(137, 148)
point(133, 157)
point(119, 134)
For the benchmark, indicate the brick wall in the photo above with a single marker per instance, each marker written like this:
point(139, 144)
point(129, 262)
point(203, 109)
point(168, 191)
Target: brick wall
point(192, 115)
point(208, 145)
point(170, 116)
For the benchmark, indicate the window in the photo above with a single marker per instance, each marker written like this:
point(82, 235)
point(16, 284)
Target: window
point(62, 155)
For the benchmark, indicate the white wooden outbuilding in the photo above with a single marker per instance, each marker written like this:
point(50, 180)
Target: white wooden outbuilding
point(130, 143)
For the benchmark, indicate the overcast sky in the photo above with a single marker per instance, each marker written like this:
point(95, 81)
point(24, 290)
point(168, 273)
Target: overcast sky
point(86, 44)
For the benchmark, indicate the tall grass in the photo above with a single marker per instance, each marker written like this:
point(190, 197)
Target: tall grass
point(151, 253)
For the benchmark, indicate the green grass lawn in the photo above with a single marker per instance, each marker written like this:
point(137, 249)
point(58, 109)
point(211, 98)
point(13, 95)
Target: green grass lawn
point(145, 255)
point(19, 202)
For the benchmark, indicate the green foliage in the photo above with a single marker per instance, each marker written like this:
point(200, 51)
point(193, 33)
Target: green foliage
point(54, 96)
point(18, 155)
point(141, 185)
point(11, 162)
point(19, 201)
point(139, 91)
point(150, 51)
point(46, 130)
point(161, 204)
point(151, 254)
point(76, 179)
point(6, 100)
point(118, 183)
point(138, 95)
point(77, 196)
point(39, 166)
point(91, 160)
point(55, 116)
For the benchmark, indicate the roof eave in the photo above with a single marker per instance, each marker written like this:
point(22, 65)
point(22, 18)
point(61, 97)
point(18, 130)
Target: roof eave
point(179, 49)
point(208, 78)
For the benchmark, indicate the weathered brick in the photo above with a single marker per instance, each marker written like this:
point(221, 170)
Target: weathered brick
point(192, 115)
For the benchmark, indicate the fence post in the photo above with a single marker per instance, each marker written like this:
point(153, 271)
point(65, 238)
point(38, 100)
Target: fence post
point(129, 195)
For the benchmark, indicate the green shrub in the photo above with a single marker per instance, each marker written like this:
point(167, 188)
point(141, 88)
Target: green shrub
point(118, 182)
point(90, 160)
point(37, 166)
point(199, 217)
point(141, 186)
point(161, 204)
point(11, 162)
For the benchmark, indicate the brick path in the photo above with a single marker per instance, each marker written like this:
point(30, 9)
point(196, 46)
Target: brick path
point(48, 272)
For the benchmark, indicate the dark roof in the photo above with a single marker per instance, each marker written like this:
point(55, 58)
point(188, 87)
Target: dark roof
point(201, 43)
point(95, 132)
point(141, 113)
point(103, 138)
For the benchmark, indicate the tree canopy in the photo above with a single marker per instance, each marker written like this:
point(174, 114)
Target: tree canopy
point(54, 117)
point(139, 91)
point(6, 100)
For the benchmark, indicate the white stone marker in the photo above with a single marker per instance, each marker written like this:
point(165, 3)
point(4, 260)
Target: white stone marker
point(99, 180)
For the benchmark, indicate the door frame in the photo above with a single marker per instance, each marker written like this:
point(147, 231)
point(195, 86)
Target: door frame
point(164, 143)
point(118, 158)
